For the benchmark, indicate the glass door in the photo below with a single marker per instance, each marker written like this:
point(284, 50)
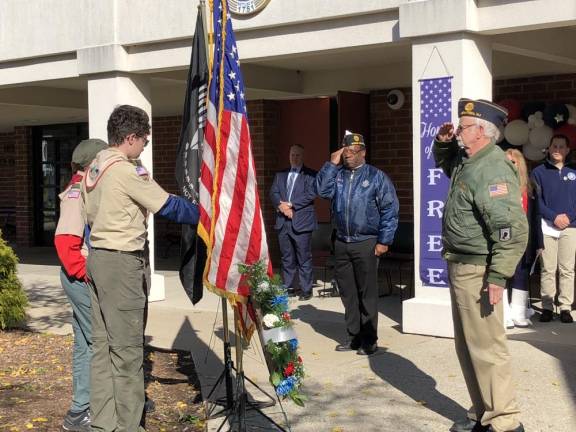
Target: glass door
point(52, 154)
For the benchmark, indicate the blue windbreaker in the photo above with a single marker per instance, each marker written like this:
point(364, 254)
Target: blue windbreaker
point(364, 202)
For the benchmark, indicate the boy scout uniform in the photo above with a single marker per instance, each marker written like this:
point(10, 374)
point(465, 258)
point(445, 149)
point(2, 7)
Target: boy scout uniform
point(484, 234)
point(118, 195)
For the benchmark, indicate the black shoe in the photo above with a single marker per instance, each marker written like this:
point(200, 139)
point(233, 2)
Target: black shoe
point(291, 292)
point(77, 421)
point(149, 405)
point(351, 345)
point(367, 349)
point(468, 425)
point(546, 316)
point(566, 317)
point(518, 429)
point(305, 296)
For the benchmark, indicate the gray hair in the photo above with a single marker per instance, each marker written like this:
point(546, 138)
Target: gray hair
point(490, 129)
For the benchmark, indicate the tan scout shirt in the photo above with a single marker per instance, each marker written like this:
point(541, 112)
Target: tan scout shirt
point(72, 214)
point(118, 194)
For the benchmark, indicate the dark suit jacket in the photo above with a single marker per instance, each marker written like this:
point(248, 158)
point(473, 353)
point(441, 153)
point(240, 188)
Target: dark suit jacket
point(303, 194)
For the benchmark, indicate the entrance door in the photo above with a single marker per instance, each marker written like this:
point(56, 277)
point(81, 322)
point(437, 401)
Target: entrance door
point(52, 154)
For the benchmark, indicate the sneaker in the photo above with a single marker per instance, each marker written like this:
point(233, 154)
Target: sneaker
point(77, 421)
point(547, 315)
point(468, 425)
point(566, 317)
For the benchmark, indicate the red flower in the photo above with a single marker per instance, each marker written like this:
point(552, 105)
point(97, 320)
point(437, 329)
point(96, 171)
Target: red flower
point(299, 359)
point(286, 316)
point(289, 369)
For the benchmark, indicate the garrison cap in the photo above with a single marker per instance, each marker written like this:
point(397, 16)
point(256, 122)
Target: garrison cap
point(351, 139)
point(482, 109)
point(87, 150)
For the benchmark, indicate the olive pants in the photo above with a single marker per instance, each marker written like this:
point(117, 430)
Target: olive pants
point(482, 348)
point(118, 292)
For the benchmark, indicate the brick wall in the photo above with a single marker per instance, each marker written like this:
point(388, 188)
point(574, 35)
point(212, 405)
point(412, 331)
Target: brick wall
point(550, 88)
point(7, 184)
point(23, 188)
point(391, 138)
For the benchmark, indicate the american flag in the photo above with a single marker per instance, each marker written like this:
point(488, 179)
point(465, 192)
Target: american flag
point(435, 99)
point(498, 189)
point(231, 221)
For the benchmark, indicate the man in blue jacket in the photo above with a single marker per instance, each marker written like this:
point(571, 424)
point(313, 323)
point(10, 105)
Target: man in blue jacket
point(292, 194)
point(365, 210)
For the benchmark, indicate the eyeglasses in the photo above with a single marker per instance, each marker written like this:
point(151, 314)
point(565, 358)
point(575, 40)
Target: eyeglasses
point(351, 150)
point(460, 128)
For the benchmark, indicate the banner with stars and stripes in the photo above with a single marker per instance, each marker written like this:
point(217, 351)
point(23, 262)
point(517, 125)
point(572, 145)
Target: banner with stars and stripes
point(231, 220)
point(435, 109)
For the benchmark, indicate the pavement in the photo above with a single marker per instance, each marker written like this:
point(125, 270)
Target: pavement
point(412, 384)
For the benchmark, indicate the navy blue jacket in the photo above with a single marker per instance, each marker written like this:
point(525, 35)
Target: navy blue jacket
point(364, 202)
point(302, 199)
point(556, 191)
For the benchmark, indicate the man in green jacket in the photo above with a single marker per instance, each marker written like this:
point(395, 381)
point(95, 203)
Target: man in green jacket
point(484, 232)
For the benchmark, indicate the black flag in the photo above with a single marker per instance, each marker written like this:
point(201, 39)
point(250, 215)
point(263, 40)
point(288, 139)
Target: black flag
point(188, 159)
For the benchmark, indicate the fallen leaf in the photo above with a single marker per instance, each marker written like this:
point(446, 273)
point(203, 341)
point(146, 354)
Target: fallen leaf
point(29, 426)
point(40, 420)
point(422, 402)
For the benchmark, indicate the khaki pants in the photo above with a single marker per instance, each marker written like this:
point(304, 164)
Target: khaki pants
point(559, 253)
point(482, 348)
point(119, 301)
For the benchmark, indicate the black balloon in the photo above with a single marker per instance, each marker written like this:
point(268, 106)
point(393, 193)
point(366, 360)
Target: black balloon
point(555, 115)
point(530, 108)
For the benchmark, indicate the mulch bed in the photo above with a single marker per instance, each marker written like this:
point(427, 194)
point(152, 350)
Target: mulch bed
point(36, 385)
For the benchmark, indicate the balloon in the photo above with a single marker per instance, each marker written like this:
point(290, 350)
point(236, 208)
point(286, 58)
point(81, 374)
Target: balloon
point(572, 110)
point(531, 108)
point(540, 137)
point(533, 153)
point(555, 115)
point(516, 132)
point(570, 132)
point(514, 108)
point(535, 120)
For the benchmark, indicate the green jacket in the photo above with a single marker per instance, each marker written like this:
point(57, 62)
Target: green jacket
point(483, 221)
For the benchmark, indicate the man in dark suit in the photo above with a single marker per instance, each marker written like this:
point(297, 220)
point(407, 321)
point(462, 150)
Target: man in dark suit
point(292, 194)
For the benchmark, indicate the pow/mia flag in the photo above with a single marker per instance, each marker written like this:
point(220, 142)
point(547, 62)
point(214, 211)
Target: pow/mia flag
point(188, 159)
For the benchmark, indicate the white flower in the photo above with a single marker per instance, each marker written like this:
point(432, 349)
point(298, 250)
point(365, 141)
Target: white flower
point(264, 286)
point(270, 320)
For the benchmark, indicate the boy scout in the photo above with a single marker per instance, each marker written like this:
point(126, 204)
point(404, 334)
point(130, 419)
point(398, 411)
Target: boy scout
point(484, 232)
point(118, 194)
point(71, 248)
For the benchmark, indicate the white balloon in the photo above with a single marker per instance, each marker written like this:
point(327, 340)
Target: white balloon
point(533, 153)
point(572, 110)
point(540, 137)
point(517, 132)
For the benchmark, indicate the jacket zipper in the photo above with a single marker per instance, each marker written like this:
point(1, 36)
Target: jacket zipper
point(348, 204)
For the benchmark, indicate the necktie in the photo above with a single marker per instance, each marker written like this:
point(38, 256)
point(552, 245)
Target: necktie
point(291, 180)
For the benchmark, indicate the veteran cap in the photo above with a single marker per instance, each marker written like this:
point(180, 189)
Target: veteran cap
point(482, 109)
point(87, 150)
point(351, 138)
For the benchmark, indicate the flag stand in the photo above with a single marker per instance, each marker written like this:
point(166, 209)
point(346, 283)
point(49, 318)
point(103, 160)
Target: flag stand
point(236, 403)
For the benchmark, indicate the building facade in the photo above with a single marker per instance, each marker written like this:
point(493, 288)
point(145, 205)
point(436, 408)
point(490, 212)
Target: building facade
point(312, 69)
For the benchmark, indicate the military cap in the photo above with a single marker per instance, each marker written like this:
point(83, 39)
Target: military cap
point(482, 109)
point(351, 139)
point(87, 150)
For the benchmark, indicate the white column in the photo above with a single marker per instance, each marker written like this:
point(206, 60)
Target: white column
point(105, 93)
point(468, 59)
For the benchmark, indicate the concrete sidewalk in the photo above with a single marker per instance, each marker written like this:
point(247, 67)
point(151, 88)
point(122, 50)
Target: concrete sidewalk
point(413, 384)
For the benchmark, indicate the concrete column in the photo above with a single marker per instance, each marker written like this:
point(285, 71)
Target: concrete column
point(468, 59)
point(105, 93)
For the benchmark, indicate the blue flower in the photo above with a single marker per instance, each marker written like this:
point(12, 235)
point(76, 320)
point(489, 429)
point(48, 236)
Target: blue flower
point(286, 386)
point(293, 344)
point(280, 300)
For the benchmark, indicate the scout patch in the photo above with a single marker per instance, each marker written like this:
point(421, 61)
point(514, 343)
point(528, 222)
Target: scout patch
point(141, 171)
point(74, 191)
point(505, 234)
point(365, 183)
point(499, 189)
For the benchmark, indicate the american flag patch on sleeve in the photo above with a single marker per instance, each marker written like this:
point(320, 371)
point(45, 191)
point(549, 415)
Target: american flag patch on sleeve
point(498, 189)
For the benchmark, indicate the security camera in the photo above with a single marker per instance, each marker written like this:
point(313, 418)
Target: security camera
point(395, 99)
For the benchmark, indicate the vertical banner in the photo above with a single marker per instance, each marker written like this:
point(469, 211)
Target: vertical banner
point(435, 109)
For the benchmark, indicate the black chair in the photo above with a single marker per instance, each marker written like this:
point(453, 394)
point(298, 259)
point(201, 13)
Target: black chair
point(323, 257)
point(399, 259)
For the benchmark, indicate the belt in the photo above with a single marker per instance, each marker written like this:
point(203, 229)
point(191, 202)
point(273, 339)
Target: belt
point(136, 253)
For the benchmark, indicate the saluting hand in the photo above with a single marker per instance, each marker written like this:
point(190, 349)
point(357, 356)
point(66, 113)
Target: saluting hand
point(495, 293)
point(336, 157)
point(446, 132)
